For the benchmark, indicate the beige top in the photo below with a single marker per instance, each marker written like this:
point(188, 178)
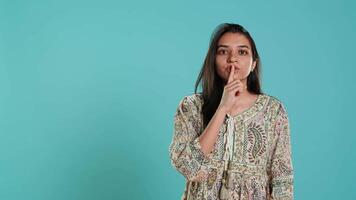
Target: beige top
point(261, 164)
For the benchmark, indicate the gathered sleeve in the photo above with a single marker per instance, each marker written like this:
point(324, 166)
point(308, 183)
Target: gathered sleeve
point(185, 150)
point(281, 169)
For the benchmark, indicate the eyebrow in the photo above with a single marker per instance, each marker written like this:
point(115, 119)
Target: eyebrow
point(242, 46)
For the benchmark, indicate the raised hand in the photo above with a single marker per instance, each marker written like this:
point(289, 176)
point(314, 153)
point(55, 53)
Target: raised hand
point(231, 91)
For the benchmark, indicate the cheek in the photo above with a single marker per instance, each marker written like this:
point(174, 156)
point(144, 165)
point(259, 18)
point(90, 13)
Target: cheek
point(220, 69)
point(245, 64)
point(220, 66)
point(220, 62)
point(248, 61)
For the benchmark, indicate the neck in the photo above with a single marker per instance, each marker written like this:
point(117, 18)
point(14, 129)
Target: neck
point(245, 94)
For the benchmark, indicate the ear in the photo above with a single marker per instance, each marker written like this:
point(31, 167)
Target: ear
point(254, 64)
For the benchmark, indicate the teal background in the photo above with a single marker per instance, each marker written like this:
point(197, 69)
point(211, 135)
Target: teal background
point(89, 90)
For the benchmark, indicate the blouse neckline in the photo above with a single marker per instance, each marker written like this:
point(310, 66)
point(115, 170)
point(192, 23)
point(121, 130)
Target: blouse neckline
point(250, 111)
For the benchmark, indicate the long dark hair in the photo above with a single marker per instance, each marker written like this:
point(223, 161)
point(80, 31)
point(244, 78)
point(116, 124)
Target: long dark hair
point(212, 83)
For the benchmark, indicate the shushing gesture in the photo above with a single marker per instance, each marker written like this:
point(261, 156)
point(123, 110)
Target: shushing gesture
point(231, 91)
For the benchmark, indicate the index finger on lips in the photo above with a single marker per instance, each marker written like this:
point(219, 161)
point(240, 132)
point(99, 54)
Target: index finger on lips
point(231, 75)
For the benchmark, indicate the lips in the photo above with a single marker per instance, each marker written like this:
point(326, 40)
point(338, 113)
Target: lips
point(229, 68)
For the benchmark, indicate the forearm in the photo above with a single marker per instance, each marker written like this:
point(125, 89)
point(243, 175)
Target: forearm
point(208, 138)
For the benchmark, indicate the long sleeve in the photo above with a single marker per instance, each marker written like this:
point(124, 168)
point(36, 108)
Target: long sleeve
point(185, 150)
point(281, 168)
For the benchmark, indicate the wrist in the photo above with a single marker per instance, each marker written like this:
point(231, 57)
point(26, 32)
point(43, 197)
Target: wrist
point(222, 109)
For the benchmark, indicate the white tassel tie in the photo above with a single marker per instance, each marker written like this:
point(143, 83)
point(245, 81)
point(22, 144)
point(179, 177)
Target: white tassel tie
point(229, 139)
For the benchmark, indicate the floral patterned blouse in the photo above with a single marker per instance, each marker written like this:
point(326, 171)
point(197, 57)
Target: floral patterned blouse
point(261, 163)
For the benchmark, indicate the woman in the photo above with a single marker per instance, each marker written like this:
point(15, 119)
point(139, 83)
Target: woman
point(232, 141)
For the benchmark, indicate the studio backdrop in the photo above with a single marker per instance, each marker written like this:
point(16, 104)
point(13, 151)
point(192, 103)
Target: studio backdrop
point(89, 90)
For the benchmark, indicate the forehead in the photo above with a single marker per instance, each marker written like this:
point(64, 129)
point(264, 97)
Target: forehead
point(234, 39)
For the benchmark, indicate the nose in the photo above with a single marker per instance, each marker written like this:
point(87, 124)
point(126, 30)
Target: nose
point(232, 58)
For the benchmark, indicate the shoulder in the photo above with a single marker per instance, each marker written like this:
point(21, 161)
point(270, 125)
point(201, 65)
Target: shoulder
point(194, 99)
point(191, 102)
point(276, 104)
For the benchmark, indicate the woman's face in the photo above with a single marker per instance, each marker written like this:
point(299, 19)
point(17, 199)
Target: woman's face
point(234, 49)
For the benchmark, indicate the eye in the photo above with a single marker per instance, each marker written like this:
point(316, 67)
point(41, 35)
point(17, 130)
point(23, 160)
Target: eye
point(222, 51)
point(243, 52)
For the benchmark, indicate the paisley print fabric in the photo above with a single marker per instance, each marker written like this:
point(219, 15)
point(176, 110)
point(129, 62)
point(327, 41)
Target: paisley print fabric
point(261, 168)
